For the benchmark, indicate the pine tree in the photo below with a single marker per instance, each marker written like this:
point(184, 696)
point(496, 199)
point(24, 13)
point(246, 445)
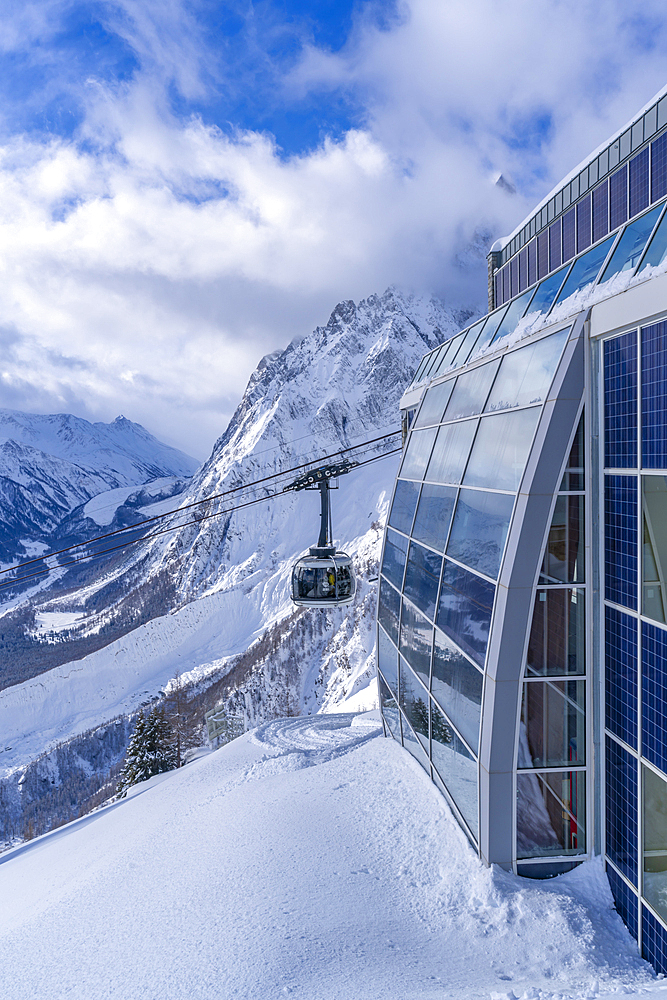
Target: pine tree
point(150, 751)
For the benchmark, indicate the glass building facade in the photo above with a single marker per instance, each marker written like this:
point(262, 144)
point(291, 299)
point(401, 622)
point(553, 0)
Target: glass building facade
point(522, 611)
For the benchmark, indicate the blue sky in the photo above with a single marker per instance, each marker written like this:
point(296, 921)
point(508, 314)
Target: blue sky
point(185, 186)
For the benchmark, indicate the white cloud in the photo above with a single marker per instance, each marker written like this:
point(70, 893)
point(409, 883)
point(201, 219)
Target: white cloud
point(147, 263)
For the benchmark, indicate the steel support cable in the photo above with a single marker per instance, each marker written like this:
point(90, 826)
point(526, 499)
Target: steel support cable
point(92, 556)
point(196, 503)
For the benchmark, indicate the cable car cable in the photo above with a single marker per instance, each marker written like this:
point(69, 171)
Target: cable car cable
point(196, 503)
point(92, 556)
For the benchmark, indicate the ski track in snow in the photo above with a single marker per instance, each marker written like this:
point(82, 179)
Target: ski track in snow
point(312, 859)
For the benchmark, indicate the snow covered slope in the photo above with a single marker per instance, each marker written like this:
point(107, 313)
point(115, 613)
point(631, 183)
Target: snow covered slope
point(311, 859)
point(338, 386)
point(50, 465)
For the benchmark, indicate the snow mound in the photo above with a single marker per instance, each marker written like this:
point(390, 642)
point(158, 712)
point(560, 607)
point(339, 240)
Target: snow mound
point(312, 859)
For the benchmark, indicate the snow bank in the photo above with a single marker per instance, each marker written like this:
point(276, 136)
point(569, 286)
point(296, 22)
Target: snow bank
point(310, 859)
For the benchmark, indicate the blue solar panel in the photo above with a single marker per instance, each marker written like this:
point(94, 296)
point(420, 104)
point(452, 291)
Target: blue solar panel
point(620, 530)
point(621, 675)
point(568, 235)
point(584, 223)
point(654, 941)
point(542, 255)
point(523, 269)
point(654, 396)
point(555, 253)
point(620, 402)
point(639, 182)
point(659, 168)
point(654, 695)
point(621, 809)
point(600, 211)
point(625, 900)
point(618, 198)
point(532, 262)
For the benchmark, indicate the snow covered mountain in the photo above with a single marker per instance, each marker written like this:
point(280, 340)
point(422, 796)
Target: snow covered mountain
point(49, 465)
point(212, 597)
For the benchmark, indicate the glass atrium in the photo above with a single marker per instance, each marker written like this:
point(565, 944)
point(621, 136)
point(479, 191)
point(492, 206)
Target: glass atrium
point(522, 622)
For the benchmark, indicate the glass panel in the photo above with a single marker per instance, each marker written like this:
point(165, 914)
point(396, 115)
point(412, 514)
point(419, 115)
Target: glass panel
point(388, 660)
point(557, 634)
point(655, 841)
point(489, 331)
point(551, 814)
point(501, 449)
point(464, 610)
point(455, 765)
point(451, 352)
point(514, 313)
point(468, 343)
point(418, 453)
point(480, 529)
point(631, 245)
point(573, 478)
point(451, 451)
point(403, 506)
point(585, 270)
point(546, 293)
point(525, 375)
point(657, 250)
point(564, 557)
point(553, 724)
point(413, 746)
point(420, 371)
point(389, 608)
point(434, 404)
point(393, 562)
point(389, 707)
point(434, 360)
point(471, 391)
point(434, 515)
point(416, 641)
point(654, 565)
point(457, 687)
point(414, 702)
point(422, 577)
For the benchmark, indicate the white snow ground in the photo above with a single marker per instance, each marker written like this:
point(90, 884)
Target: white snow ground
point(313, 859)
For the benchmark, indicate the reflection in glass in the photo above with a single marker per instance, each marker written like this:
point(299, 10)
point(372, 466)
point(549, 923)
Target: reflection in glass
point(389, 608)
point(389, 707)
point(416, 641)
point(657, 251)
point(435, 359)
point(434, 404)
point(525, 375)
point(479, 531)
point(564, 557)
point(414, 702)
point(393, 562)
point(455, 765)
point(550, 814)
point(456, 685)
point(464, 610)
point(449, 355)
point(488, 333)
point(553, 724)
point(557, 634)
point(451, 451)
point(511, 319)
point(501, 449)
point(403, 506)
point(434, 515)
point(418, 453)
point(655, 841)
point(654, 563)
point(422, 577)
point(412, 744)
point(546, 293)
point(585, 269)
point(471, 391)
point(468, 343)
point(631, 245)
point(573, 478)
point(388, 660)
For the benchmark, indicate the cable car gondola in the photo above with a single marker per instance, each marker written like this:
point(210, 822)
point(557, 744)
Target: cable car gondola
point(324, 577)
